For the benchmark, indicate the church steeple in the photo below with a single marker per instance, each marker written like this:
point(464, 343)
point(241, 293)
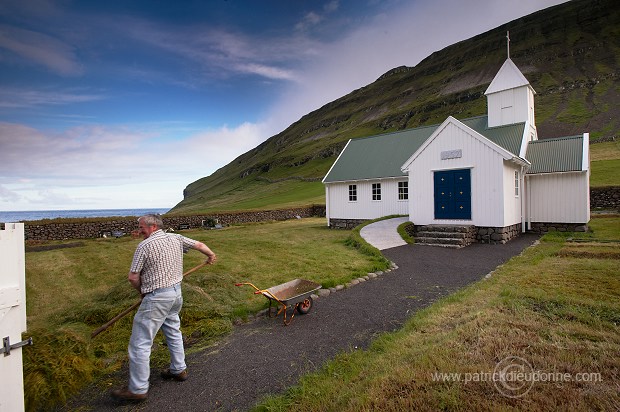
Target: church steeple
point(510, 97)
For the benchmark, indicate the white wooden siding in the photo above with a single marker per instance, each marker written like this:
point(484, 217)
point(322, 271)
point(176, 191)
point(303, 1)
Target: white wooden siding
point(511, 106)
point(487, 178)
point(339, 206)
point(512, 203)
point(559, 197)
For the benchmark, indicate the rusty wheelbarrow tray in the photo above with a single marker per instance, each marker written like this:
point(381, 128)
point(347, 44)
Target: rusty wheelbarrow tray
point(296, 294)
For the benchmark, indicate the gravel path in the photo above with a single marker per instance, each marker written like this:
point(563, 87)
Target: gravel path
point(264, 357)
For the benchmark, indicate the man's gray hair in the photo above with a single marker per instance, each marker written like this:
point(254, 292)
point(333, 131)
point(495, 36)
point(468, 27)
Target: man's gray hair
point(152, 220)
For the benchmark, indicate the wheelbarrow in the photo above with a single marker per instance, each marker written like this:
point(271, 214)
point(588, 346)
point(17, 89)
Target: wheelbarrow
point(294, 294)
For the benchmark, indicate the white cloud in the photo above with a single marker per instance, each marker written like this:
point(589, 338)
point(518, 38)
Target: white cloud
point(332, 6)
point(269, 72)
point(20, 98)
point(111, 167)
point(309, 20)
point(222, 53)
point(41, 49)
point(313, 18)
point(7, 195)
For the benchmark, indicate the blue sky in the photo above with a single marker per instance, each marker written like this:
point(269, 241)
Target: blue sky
point(121, 104)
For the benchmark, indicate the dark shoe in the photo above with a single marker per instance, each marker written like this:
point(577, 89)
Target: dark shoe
point(180, 377)
point(124, 394)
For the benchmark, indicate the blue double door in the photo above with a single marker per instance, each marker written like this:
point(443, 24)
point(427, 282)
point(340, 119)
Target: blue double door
point(453, 194)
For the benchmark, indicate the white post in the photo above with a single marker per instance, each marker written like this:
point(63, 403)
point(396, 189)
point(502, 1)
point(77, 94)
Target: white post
point(12, 315)
point(327, 204)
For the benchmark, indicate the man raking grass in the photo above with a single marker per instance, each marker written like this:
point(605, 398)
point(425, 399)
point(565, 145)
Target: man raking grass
point(135, 305)
point(156, 273)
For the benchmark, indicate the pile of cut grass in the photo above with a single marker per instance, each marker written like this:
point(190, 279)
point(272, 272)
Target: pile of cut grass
point(552, 315)
point(72, 291)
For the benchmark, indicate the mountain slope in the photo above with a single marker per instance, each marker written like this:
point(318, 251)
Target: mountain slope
point(569, 53)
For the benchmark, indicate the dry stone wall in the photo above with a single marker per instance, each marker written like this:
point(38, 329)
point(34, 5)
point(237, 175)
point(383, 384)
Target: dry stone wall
point(605, 197)
point(93, 228)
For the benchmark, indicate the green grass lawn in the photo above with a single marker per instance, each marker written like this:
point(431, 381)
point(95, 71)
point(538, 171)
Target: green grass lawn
point(553, 307)
point(72, 291)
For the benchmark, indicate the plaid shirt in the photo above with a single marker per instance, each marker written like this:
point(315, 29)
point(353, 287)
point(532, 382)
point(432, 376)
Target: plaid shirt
point(159, 260)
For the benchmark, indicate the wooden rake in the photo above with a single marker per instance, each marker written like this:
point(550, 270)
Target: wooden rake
point(132, 307)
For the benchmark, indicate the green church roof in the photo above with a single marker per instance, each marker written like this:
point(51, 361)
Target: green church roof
point(381, 156)
point(508, 137)
point(377, 156)
point(563, 154)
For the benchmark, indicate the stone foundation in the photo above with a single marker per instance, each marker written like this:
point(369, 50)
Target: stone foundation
point(460, 236)
point(345, 223)
point(544, 227)
point(495, 235)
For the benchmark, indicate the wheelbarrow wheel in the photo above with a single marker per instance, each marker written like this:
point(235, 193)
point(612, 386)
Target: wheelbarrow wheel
point(304, 306)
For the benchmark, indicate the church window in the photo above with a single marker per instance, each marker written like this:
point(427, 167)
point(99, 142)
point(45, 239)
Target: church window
point(352, 193)
point(376, 191)
point(403, 190)
point(516, 183)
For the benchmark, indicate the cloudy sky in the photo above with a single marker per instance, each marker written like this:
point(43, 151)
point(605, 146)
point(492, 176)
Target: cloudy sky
point(121, 104)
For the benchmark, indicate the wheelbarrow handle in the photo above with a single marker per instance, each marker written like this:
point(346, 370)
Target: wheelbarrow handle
point(258, 291)
point(261, 291)
point(246, 283)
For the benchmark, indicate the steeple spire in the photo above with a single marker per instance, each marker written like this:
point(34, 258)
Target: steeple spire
point(508, 43)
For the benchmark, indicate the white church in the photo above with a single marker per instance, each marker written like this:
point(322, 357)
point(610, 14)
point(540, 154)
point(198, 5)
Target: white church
point(489, 177)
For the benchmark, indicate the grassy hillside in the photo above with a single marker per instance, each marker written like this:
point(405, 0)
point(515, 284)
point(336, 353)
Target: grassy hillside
point(605, 163)
point(569, 53)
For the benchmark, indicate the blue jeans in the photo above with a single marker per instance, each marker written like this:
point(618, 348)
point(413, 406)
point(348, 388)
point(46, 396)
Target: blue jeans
point(159, 309)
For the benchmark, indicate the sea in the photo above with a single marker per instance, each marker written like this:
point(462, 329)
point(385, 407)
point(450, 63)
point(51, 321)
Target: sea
point(15, 217)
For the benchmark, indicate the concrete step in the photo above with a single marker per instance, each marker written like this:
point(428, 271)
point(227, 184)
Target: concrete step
point(442, 241)
point(454, 235)
point(441, 245)
point(444, 235)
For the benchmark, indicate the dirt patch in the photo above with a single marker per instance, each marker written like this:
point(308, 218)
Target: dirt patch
point(589, 255)
point(591, 250)
point(42, 248)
